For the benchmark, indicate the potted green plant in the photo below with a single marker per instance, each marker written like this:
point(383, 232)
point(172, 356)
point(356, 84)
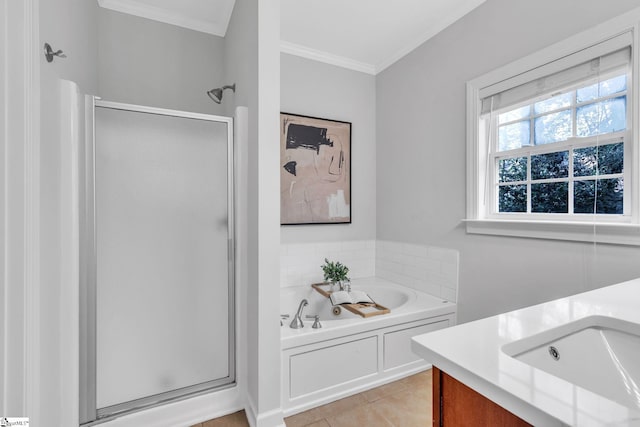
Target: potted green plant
point(335, 272)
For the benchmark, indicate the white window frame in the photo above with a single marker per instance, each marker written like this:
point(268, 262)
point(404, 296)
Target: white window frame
point(481, 217)
point(569, 145)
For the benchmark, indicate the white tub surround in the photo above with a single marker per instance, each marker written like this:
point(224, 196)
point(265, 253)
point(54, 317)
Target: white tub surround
point(487, 355)
point(300, 262)
point(429, 269)
point(349, 353)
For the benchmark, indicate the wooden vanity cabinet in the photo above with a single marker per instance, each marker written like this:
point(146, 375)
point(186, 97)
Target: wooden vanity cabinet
point(456, 405)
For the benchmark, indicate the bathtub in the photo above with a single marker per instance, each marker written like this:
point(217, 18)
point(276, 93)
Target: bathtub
point(349, 353)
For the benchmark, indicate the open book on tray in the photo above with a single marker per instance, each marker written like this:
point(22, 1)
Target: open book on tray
point(357, 302)
point(353, 297)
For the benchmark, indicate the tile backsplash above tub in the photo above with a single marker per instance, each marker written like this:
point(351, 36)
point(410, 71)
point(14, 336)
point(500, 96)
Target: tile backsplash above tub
point(428, 269)
point(300, 263)
point(425, 268)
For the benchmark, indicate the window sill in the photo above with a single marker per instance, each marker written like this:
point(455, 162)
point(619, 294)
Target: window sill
point(617, 234)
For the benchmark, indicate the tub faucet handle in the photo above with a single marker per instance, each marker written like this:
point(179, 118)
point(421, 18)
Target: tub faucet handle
point(282, 317)
point(316, 323)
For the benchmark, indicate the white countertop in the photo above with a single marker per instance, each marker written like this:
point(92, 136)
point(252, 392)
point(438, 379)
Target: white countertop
point(472, 353)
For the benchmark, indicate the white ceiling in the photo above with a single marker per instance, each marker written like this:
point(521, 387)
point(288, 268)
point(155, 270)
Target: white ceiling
point(364, 35)
point(367, 35)
point(208, 16)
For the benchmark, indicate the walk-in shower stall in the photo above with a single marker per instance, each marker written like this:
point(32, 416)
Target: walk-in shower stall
point(156, 267)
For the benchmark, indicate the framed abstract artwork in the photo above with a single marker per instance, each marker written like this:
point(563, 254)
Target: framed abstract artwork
point(315, 170)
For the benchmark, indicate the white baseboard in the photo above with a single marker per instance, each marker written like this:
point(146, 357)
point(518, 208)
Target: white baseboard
point(273, 418)
point(250, 411)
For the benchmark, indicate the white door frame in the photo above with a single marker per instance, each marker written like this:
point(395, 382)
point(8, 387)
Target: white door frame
point(19, 209)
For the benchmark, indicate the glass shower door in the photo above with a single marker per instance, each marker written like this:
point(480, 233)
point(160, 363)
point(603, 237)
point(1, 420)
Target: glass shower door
point(164, 264)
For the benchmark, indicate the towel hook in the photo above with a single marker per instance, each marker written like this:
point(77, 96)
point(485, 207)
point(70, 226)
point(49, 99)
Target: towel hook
point(49, 53)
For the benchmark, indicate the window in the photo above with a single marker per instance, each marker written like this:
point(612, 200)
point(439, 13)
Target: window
point(551, 139)
point(563, 153)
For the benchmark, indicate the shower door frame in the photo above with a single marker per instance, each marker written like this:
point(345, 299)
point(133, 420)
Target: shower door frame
point(89, 413)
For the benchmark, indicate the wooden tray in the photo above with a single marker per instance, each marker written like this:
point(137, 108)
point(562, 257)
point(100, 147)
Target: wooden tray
point(318, 287)
point(362, 309)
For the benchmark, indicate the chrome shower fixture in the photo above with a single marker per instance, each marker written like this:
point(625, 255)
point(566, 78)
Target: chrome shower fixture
point(216, 94)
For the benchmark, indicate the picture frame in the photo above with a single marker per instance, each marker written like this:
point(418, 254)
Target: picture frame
point(315, 170)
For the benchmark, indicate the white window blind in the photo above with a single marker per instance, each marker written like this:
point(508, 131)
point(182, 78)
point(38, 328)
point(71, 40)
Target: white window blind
point(614, 53)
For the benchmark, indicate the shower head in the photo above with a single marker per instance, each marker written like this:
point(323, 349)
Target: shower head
point(216, 94)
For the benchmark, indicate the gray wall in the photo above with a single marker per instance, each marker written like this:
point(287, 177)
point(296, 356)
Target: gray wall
point(421, 167)
point(156, 64)
point(251, 60)
point(240, 60)
point(70, 25)
point(320, 90)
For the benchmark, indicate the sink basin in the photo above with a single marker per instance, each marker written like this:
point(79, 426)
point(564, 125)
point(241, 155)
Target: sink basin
point(598, 353)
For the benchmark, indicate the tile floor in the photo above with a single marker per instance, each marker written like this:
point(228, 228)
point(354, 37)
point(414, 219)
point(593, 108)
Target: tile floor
point(403, 403)
point(237, 419)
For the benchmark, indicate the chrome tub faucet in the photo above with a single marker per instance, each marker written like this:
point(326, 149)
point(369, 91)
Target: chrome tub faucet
point(297, 322)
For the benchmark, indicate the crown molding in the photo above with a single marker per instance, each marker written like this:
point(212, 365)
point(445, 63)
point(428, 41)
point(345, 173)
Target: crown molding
point(133, 7)
point(328, 58)
point(341, 61)
point(453, 16)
